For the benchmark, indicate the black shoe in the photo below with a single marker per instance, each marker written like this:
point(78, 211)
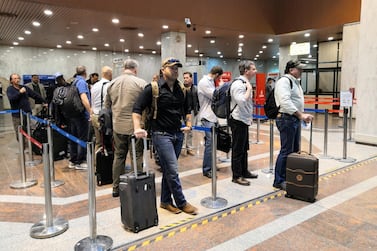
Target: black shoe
point(282, 186)
point(241, 181)
point(115, 192)
point(250, 175)
point(208, 175)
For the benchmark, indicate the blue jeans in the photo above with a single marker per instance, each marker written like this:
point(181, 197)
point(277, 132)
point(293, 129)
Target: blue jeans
point(207, 158)
point(79, 127)
point(168, 146)
point(289, 128)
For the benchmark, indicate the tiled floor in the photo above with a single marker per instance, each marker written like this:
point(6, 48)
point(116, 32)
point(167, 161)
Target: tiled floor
point(344, 217)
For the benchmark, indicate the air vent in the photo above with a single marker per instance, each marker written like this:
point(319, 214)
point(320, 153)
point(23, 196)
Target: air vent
point(128, 28)
point(7, 14)
point(83, 45)
point(209, 37)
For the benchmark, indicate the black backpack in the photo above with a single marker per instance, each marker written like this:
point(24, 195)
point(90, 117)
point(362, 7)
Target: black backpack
point(221, 100)
point(270, 108)
point(68, 100)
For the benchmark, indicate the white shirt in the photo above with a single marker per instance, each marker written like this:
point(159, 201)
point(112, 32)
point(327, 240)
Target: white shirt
point(289, 99)
point(244, 109)
point(96, 95)
point(206, 87)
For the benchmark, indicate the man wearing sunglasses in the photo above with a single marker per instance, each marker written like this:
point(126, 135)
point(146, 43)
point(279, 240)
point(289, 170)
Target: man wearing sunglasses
point(172, 108)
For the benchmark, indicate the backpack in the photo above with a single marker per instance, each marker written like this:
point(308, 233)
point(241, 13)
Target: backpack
point(68, 100)
point(270, 108)
point(221, 100)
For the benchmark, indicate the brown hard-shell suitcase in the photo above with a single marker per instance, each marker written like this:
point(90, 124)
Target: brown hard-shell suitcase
point(137, 193)
point(302, 175)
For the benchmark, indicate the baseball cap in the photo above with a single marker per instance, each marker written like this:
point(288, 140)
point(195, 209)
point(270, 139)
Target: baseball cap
point(294, 64)
point(58, 74)
point(171, 62)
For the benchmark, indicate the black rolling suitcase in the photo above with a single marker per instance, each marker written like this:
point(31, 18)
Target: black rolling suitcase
point(104, 165)
point(138, 196)
point(302, 175)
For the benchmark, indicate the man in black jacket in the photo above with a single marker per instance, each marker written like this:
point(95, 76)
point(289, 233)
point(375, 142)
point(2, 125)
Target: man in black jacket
point(19, 99)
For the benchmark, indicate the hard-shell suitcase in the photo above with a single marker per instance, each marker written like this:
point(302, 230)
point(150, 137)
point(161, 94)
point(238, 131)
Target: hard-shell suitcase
point(60, 143)
point(302, 175)
point(138, 197)
point(104, 166)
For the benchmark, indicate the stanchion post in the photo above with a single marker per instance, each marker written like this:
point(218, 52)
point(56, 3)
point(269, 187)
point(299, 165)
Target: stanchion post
point(50, 227)
point(325, 137)
point(227, 158)
point(50, 140)
point(31, 161)
point(23, 183)
point(258, 126)
point(271, 167)
point(94, 241)
point(345, 159)
point(214, 201)
point(350, 125)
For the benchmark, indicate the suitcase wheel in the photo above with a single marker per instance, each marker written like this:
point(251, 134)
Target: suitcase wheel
point(137, 229)
point(99, 182)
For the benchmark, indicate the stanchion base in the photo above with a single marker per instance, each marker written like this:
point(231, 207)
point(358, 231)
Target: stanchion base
point(268, 170)
point(214, 203)
point(257, 142)
point(321, 156)
point(41, 231)
point(225, 159)
point(101, 243)
point(55, 183)
point(26, 184)
point(33, 162)
point(346, 160)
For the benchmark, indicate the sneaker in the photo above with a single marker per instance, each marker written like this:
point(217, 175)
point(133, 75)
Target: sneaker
point(171, 208)
point(82, 166)
point(71, 165)
point(189, 209)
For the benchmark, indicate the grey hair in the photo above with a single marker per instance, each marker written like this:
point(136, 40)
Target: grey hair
point(131, 64)
point(245, 65)
point(80, 70)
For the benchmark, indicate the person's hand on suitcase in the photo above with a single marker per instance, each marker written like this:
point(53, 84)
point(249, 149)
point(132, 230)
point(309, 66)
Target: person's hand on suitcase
point(140, 133)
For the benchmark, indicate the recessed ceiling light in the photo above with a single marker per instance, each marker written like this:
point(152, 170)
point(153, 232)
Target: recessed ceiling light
point(15, 43)
point(189, 45)
point(241, 36)
point(115, 21)
point(257, 56)
point(141, 47)
point(201, 55)
point(273, 56)
point(36, 24)
point(27, 32)
point(140, 34)
point(68, 42)
point(239, 49)
point(264, 47)
point(239, 54)
point(330, 38)
point(196, 51)
point(126, 50)
point(208, 32)
point(80, 36)
point(270, 40)
point(165, 27)
point(47, 12)
point(158, 42)
point(154, 52)
point(240, 44)
point(255, 59)
point(59, 46)
point(221, 56)
point(310, 56)
point(95, 29)
point(106, 45)
point(122, 40)
point(21, 38)
point(260, 52)
point(212, 41)
point(94, 48)
point(315, 46)
point(307, 35)
point(293, 43)
point(219, 53)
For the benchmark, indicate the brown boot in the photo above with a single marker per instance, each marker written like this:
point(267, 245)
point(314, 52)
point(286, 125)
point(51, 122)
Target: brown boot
point(170, 208)
point(189, 209)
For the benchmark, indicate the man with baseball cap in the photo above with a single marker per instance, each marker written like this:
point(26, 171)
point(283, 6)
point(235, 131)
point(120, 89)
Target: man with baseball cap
point(290, 97)
point(167, 132)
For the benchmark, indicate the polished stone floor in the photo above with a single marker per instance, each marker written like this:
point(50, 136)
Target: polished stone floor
point(257, 217)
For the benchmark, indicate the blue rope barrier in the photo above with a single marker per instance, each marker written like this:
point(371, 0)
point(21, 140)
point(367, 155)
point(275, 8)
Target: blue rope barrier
point(314, 110)
point(42, 121)
point(67, 135)
point(255, 116)
point(199, 128)
point(9, 111)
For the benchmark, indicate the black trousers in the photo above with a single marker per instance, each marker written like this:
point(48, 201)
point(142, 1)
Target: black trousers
point(240, 146)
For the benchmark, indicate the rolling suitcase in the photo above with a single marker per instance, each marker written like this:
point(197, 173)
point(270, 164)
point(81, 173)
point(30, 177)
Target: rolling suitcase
point(104, 161)
point(137, 193)
point(302, 175)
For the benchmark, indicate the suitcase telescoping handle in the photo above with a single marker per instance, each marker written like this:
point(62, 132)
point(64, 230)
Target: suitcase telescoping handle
point(145, 162)
point(310, 136)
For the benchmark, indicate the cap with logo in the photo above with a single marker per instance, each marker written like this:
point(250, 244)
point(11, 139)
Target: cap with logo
point(294, 64)
point(171, 62)
point(58, 74)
